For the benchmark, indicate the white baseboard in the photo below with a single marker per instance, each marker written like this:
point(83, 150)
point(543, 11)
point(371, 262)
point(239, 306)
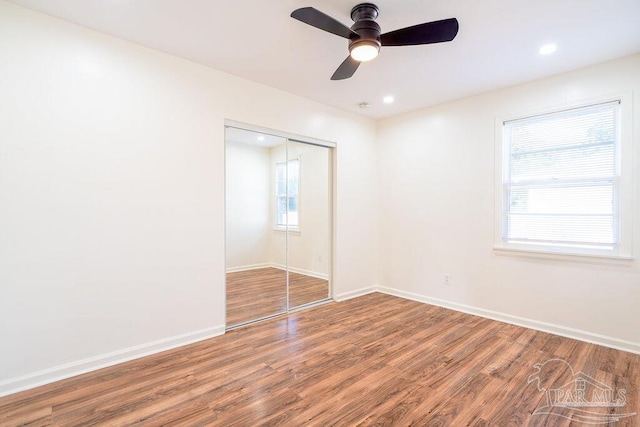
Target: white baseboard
point(354, 294)
point(46, 376)
point(309, 273)
point(577, 334)
point(61, 372)
point(247, 267)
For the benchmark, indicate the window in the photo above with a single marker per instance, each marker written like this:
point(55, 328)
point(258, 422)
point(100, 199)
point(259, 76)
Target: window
point(561, 182)
point(287, 194)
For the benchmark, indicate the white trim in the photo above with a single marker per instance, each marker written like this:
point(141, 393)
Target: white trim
point(626, 208)
point(247, 267)
point(317, 275)
point(309, 273)
point(577, 334)
point(559, 256)
point(290, 136)
point(68, 370)
point(354, 294)
point(283, 229)
point(310, 305)
point(293, 229)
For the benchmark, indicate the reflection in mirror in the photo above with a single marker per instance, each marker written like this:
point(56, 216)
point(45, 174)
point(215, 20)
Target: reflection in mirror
point(254, 288)
point(310, 227)
point(278, 225)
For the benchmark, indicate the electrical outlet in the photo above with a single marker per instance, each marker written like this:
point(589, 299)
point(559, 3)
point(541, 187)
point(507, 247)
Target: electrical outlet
point(318, 258)
point(447, 279)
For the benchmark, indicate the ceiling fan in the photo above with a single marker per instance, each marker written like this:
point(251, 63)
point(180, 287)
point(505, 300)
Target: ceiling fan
point(364, 35)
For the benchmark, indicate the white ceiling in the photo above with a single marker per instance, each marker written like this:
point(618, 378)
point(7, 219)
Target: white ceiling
point(243, 136)
point(497, 44)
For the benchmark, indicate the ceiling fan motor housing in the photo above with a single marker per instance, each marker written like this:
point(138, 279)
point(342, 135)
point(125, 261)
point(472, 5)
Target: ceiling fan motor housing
point(364, 26)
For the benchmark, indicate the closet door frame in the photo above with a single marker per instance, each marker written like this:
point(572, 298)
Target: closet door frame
point(304, 140)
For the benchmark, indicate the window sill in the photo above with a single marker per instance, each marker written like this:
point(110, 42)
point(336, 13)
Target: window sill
point(624, 261)
point(284, 230)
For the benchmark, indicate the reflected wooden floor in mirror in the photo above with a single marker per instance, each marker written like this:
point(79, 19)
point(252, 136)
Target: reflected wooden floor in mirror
point(305, 289)
point(254, 294)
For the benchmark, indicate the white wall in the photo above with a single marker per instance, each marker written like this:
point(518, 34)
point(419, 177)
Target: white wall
point(112, 195)
point(437, 216)
point(248, 204)
point(309, 248)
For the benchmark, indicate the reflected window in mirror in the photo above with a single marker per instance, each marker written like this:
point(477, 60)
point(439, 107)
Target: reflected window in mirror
point(287, 193)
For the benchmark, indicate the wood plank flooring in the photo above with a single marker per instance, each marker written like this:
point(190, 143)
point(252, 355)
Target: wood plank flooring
point(372, 360)
point(254, 294)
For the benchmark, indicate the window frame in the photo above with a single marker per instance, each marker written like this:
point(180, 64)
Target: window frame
point(622, 254)
point(286, 227)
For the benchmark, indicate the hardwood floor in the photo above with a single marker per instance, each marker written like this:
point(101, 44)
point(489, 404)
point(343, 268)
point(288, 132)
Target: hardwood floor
point(254, 294)
point(372, 360)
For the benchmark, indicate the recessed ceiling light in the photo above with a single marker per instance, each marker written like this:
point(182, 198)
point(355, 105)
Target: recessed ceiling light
point(388, 99)
point(548, 49)
point(260, 138)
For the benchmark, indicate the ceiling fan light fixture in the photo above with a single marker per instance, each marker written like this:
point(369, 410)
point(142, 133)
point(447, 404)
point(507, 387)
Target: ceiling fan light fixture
point(364, 50)
point(365, 35)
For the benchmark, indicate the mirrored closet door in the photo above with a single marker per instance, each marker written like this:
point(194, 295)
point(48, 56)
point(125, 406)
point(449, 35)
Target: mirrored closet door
point(278, 224)
point(309, 234)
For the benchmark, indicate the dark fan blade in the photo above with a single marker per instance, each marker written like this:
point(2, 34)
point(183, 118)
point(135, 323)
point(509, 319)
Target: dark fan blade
point(346, 69)
point(317, 19)
point(429, 32)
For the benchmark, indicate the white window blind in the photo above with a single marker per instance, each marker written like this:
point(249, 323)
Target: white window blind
point(561, 178)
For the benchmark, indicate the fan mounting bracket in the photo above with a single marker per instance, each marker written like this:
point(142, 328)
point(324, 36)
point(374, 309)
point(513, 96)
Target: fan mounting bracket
point(364, 11)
